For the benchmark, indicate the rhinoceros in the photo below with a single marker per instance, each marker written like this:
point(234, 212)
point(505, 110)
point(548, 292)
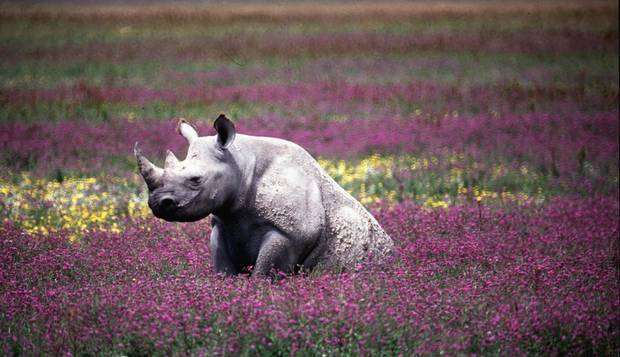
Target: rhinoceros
point(272, 207)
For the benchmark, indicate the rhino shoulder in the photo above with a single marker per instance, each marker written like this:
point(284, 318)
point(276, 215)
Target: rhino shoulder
point(288, 195)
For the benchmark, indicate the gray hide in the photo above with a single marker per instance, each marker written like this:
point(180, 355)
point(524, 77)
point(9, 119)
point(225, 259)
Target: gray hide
point(273, 207)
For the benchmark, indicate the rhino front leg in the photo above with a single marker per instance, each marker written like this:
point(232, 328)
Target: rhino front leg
point(276, 254)
point(221, 259)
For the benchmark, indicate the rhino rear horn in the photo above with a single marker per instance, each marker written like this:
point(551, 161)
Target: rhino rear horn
point(171, 160)
point(151, 173)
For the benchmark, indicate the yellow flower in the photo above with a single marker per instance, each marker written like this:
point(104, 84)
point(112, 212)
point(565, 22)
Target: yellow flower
point(433, 202)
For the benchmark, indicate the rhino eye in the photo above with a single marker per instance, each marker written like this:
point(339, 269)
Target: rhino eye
point(195, 180)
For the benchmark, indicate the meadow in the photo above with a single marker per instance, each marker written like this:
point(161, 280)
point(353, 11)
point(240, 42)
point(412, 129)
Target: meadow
point(483, 136)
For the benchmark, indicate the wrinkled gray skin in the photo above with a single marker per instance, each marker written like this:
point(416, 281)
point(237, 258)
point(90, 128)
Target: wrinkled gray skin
point(272, 207)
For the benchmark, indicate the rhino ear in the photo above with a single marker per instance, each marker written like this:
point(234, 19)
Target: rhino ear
point(225, 131)
point(188, 131)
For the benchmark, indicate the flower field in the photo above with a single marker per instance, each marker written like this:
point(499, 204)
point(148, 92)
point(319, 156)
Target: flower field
point(483, 136)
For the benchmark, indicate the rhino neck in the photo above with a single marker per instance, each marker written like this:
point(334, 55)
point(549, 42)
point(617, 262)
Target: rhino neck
point(245, 161)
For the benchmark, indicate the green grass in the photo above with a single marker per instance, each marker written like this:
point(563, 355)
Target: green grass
point(89, 111)
point(446, 68)
point(31, 34)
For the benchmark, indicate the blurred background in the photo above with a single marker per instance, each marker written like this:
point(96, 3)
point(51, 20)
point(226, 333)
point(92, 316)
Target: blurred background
point(438, 102)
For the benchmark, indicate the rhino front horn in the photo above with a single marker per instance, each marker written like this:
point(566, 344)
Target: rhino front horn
point(151, 173)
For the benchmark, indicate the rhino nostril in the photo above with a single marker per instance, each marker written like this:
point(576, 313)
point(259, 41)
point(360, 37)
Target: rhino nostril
point(167, 202)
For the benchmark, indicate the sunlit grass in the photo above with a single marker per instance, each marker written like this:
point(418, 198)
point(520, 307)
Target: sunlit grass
point(389, 179)
point(77, 205)
point(84, 204)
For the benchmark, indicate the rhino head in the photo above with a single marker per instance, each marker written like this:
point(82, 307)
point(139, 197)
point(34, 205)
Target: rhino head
point(189, 190)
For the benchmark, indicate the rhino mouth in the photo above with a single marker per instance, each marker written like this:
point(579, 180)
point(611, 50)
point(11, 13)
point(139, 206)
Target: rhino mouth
point(172, 210)
point(180, 218)
point(179, 215)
